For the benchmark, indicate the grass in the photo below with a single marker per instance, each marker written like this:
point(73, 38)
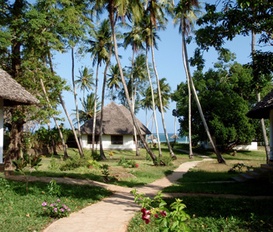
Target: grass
point(211, 177)
point(22, 211)
point(218, 214)
point(207, 213)
point(145, 172)
point(214, 213)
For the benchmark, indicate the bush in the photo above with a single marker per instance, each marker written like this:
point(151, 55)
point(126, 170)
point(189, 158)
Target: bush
point(55, 209)
point(71, 164)
point(127, 163)
point(167, 219)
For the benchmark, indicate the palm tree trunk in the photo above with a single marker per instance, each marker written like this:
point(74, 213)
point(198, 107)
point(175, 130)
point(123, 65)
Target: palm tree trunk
point(67, 115)
point(95, 110)
point(111, 17)
point(133, 102)
point(219, 156)
point(71, 125)
point(189, 90)
point(55, 120)
point(76, 104)
point(102, 155)
point(160, 103)
point(153, 105)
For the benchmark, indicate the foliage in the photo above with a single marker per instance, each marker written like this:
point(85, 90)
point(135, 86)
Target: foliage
point(105, 172)
point(55, 209)
point(53, 189)
point(240, 167)
point(225, 95)
point(73, 163)
point(23, 212)
point(31, 161)
point(167, 219)
point(127, 163)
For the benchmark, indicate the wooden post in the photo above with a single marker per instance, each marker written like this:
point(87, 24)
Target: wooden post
point(271, 136)
point(1, 130)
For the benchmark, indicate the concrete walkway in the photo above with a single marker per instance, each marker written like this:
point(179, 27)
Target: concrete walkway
point(112, 214)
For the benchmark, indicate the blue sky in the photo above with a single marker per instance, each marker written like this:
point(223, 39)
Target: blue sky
point(169, 65)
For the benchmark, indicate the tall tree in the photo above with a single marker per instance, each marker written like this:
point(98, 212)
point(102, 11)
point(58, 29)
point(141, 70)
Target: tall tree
point(183, 11)
point(119, 9)
point(99, 53)
point(113, 81)
point(157, 18)
point(239, 18)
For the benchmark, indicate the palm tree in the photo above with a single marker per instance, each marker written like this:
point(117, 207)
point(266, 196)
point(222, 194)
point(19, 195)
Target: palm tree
point(99, 53)
point(85, 81)
point(76, 102)
point(114, 81)
point(118, 9)
point(157, 20)
point(88, 108)
point(183, 11)
point(134, 39)
point(147, 38)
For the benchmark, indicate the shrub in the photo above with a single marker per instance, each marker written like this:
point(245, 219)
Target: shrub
point(71, 164)
point(168, 219)
point(53, 188)
point(55, 209)
point(127, 163)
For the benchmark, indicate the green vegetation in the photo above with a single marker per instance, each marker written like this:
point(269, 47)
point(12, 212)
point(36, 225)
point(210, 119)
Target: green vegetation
point(218, 214)
point(214, 212)
point(23, 211)
point(124, 167)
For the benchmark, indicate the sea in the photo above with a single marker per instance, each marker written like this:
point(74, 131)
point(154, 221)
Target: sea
point(162, 138)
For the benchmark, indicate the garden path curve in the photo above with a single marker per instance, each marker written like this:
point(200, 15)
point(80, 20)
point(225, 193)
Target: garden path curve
point(113, 213)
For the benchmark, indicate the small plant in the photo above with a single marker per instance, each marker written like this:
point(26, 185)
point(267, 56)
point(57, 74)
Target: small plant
point(111, 154)
point(73, 163)
point(105, 172)
point(127, 163)
point(53, 164)
point(240, 167)
point(53, 188)
point(93, 163)
point(55, 209)
point(27, 160)
point(172, 219)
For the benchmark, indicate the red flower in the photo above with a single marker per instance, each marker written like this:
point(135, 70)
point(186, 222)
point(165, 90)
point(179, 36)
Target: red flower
point(163, 213)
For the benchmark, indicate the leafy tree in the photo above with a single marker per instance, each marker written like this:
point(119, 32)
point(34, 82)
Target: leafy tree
point(240, 18)
point(225, 97)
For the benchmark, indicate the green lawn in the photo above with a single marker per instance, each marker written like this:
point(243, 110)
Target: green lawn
point(215, 213)
point(21, 210)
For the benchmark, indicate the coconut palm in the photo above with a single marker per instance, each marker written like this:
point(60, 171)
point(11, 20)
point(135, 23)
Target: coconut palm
point(99, 53)
point(85, 81)
point(121, 9)
point(146, 34)
point(184, 14)
point(133, 38)
point(155, 12)
point(114, 81)
point(88, 108)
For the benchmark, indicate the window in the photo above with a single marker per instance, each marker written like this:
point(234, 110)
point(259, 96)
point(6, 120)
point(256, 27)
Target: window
point(116, 139)
point(89, 139)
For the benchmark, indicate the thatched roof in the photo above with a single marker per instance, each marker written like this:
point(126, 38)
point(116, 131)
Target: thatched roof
point(262, 108)
point(117, 120)
point(13, 93)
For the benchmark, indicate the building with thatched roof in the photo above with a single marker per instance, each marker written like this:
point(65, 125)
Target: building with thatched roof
point(117, 129)
point(11, 94)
